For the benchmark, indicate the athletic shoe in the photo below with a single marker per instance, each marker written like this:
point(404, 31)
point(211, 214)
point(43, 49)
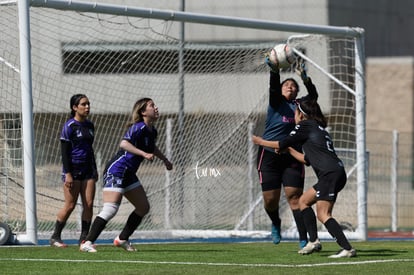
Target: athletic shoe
point(311, 247)
point(302, 243)
point(82, 238)
point(57, 243)
point(276, 234)
point(343, 253)
point(87, 246)
point(125, 244)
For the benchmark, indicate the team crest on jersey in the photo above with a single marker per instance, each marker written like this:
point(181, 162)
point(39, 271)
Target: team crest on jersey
point(78, 133)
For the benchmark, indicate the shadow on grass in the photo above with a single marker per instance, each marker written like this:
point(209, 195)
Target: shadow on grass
point(371, 252)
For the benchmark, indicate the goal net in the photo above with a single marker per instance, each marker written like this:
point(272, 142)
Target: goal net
point(212, 94)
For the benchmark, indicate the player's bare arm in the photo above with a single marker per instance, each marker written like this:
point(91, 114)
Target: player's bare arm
point(260, 141)
point(162, 157)
point(297, 155)
point(129, 147)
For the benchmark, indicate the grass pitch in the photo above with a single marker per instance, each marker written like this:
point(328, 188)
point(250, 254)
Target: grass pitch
point(373, 257)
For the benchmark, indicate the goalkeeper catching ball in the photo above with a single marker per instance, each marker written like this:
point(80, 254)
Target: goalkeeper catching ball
point(274, 169)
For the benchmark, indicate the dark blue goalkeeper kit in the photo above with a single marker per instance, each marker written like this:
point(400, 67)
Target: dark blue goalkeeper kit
point(275, 169)
point(280, 118)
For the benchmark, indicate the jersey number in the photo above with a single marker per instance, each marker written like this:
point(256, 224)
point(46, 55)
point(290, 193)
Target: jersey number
point(329, 143)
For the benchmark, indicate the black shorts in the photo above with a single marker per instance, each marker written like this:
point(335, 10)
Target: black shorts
point(82, 171)
point(329, 185)
point(277, 169)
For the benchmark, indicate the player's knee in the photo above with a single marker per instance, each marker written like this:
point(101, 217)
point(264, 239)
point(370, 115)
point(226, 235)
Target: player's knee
point(271, 205)
point(302, 203)
point(143, 209)
point(293, 202)
point(271, 201)
point(69, 207)
point(147, 208)
point(323, 217)
point(293, 194)
point(109, 210)
point(88, 205)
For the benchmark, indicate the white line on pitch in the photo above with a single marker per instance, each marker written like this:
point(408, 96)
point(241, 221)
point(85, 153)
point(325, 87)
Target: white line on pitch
point(210, 264)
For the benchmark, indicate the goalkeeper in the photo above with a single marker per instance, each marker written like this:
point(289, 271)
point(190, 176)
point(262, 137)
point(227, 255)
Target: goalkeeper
point(274, 169)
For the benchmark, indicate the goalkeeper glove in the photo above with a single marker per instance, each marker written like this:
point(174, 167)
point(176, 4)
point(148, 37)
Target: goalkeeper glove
point(301, 70)
point(272, 66)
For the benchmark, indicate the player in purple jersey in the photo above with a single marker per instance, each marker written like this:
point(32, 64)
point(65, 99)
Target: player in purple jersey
point(319, 153)
point(120, 179)
point(274, 169)
point(79, 173)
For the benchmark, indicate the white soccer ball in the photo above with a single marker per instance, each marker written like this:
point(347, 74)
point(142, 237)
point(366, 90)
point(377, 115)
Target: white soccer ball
point(282, 55)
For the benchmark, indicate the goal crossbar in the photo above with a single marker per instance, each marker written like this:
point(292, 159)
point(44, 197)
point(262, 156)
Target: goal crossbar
point(171, 15)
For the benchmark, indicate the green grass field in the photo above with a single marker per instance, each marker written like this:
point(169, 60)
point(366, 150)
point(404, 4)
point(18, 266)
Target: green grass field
point(374, 257)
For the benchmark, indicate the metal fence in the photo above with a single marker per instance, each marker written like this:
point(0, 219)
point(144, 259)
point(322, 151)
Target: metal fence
point(390, 182)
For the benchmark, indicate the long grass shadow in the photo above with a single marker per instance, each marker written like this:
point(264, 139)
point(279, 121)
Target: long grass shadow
point(373, 252)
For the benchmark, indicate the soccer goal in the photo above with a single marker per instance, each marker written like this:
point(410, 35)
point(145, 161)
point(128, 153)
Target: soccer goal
point(212, 92)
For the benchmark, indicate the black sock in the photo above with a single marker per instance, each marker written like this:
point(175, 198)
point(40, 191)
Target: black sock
point(84, 229)
point(300, 225)
point(336, 231)
point(132, 223)
point(309, 219)
point(58, 230)
point(274, 217)
point(96, 229)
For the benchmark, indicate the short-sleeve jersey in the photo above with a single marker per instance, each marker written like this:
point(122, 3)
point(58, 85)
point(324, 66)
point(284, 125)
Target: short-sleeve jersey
point(316, 145)
point(81, 136)
point(143, 138)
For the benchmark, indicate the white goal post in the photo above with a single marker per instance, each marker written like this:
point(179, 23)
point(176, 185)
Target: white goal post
point(212, 95)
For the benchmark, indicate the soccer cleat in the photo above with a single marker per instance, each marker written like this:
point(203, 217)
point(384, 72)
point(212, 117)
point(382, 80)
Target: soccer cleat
point(57, 243)
point(87, 246)
point(276, 234)
point(302, 243)
point(82, 238)
point(125, 244)
point(311, 247)
point(343, 253)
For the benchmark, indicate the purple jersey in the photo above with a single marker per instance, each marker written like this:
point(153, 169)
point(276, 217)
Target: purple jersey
point(81, 136)
point(143, 138)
